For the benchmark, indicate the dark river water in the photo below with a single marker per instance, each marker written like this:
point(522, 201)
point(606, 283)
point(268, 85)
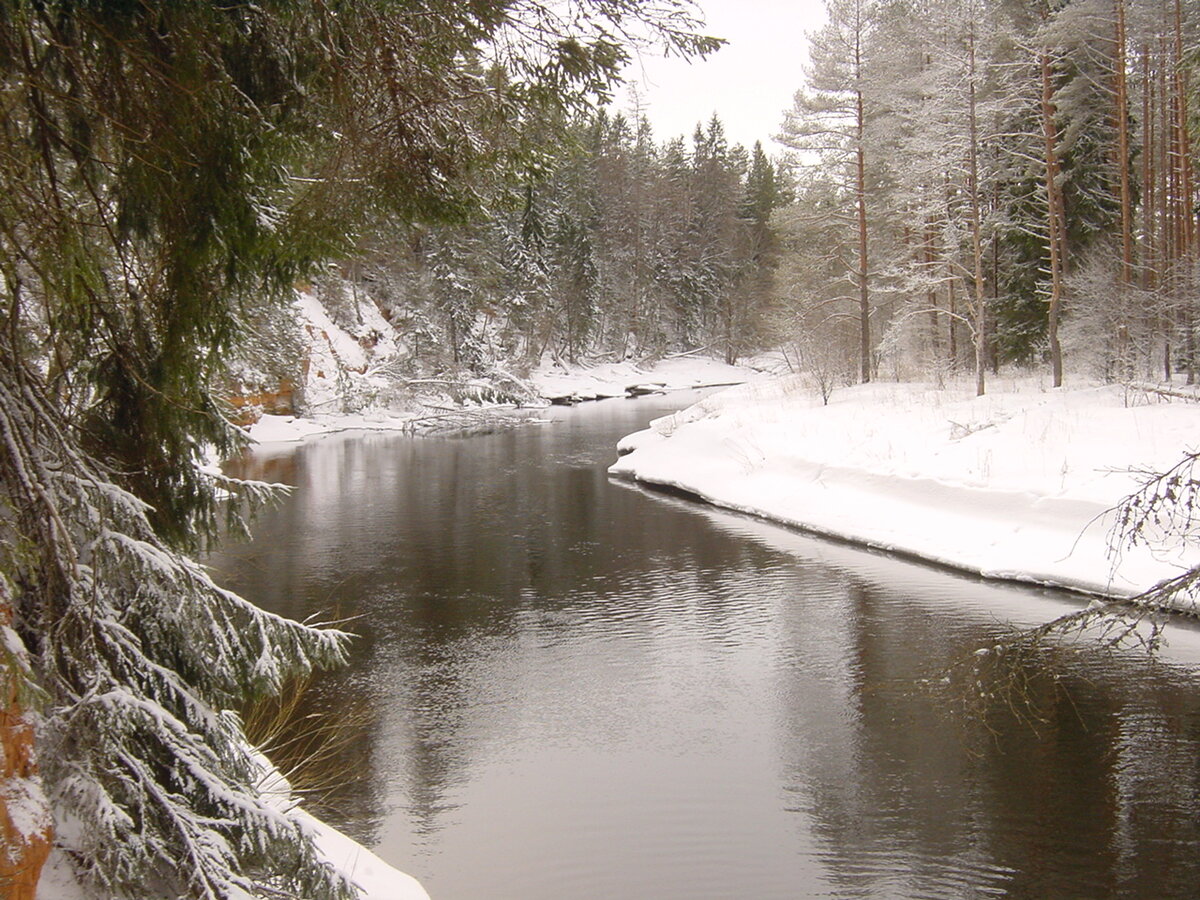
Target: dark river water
point(570, 687)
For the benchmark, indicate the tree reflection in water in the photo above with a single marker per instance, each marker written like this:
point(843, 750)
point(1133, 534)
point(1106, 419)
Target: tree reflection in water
point(583, 689)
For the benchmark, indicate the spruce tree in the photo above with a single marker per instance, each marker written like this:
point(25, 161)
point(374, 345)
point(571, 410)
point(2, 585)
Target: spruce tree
point(170, 169)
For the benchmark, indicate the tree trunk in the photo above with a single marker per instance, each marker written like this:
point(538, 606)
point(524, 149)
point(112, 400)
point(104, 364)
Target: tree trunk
point(860, 190)
point(993, 343)
point(979, 306)
point(864, 301)
point(952, 319)
point(1124, 360)
point(1165, 228)
point(1149, 175)
point(1122, 117)
point(1054, 216)
point(935, 338)
point(1184, 196)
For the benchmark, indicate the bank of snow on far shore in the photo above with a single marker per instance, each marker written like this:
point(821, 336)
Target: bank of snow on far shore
point(1018, 484)
point(554, 381)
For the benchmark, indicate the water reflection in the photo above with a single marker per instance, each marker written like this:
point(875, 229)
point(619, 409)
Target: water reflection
point(585, 690)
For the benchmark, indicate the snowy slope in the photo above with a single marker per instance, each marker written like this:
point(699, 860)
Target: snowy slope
point(551, 380)
point(341, 367)
point(374, 878)
point(1017, 484)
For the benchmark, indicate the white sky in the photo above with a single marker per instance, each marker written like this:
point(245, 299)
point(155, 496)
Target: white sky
point(749, 82)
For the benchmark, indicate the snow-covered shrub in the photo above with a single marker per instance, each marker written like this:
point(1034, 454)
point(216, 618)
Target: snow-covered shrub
point(1117, 333)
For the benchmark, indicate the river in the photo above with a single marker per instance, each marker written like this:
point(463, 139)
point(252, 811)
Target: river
point(569, 687)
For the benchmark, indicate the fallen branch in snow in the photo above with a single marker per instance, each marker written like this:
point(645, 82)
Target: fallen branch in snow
point(959, 431)
point(1159, 390)
point(441, 382)
point(472, 421)
point(685, 354)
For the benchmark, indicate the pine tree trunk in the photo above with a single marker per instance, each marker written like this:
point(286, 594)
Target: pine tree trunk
point(952, 319)
point(1148, 218)
point(979, 307)
point(1124, 361)
point(1122, 117)
point(860, 190)
point(935, 338)
point(864, 303)
point(1149, 145)
point(1054, 216)
point(993, 343)
point(1166, 230)
point(1184, 196)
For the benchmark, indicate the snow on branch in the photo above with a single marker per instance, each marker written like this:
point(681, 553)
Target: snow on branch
point(136, 656)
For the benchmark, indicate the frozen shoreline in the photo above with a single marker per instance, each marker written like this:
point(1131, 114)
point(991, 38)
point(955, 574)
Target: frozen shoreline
point(1016, 485)
point(374, 878)
point(553, 382)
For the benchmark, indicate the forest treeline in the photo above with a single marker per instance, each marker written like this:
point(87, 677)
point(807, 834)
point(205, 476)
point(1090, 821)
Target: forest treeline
point(610, 244)
point(990, 181)
point(969, 182)
point(966, 183)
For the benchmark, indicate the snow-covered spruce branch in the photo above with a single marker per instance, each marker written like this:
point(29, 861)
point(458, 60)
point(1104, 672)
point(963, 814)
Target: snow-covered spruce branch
point(137, 655)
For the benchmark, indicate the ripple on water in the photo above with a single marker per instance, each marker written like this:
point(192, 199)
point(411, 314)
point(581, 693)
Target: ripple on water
point(581, 689)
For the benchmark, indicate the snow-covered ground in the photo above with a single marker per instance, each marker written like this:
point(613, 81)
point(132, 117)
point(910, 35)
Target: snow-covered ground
point(595, 382)
point(551, 380)
point(1017, 484)
point(375, 879)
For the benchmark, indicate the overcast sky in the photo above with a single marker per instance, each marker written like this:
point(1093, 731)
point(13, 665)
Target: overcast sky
point(749, 82)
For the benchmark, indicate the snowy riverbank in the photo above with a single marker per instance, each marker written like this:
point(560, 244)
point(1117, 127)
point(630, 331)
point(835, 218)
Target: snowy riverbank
point(1017, 484)
point(552, 381)
point(374, 878)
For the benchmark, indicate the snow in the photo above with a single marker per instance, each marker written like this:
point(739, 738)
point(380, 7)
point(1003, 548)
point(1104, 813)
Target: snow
point(26, 805)
point(375, 879)
point(58, 881)
point(593, 382)
point(289, 429)
point(551, 380)
point(332, 351)
point(1017, 484)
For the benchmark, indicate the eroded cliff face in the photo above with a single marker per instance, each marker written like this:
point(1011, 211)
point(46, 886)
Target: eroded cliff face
point(26, 827)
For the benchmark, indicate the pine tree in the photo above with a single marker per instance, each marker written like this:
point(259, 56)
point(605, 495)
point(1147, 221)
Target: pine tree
point(170, 169)
point(957, 110)
point(830, 120)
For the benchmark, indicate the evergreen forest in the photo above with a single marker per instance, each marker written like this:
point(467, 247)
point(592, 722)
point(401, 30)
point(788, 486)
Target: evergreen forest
point(965, 185)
